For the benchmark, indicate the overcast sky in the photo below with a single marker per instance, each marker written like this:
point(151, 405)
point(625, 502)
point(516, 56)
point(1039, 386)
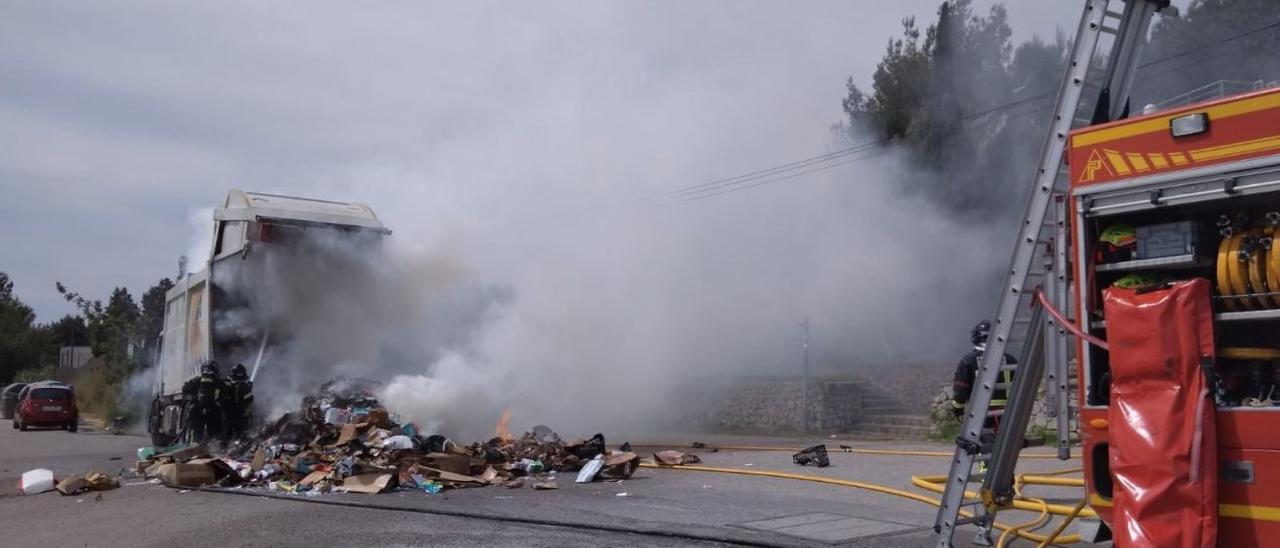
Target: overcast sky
point(121, 121)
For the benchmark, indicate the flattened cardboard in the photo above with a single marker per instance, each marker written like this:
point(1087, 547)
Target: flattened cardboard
point(371, 484)
point(313, 477)
point(186, 474)
point(259, 459)
point(347, 435)
point(450, 477)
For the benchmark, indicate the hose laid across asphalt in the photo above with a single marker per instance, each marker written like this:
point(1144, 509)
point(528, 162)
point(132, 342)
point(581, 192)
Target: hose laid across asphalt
point(890, 452)
point(1048, 508)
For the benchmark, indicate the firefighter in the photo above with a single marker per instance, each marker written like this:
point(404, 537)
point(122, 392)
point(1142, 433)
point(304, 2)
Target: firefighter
point(239, 402)
point(204, 395)
point(967, 371)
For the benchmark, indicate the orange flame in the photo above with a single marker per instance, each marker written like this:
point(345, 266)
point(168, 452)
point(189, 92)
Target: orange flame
point(503, 433)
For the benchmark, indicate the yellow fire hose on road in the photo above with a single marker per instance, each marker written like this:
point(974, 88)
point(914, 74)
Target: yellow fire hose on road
point(932, 483)
point(890, 452)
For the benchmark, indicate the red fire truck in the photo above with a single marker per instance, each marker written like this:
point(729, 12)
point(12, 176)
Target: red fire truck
point(1168, 198)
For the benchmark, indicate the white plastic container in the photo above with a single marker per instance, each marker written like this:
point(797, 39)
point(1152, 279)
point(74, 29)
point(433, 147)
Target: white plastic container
point(590, 470)
point(36, 481)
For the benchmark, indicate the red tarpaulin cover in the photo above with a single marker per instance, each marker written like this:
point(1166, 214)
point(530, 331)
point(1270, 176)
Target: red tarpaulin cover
point(1163, 441)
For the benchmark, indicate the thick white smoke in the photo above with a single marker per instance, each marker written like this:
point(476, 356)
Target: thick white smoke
point(616, 311)
point(599, 320)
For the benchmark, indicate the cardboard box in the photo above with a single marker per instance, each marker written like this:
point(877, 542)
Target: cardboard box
point(72, 485)
point(186, 474)
point(458, 464)
point(141, 467)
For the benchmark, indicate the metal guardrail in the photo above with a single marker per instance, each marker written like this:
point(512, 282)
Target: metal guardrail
point(1213, 90)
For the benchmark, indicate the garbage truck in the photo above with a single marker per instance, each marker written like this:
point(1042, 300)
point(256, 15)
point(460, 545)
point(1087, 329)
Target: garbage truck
point(209, 312)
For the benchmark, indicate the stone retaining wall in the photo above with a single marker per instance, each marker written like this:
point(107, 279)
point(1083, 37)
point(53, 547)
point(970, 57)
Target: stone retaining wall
point(835, 404)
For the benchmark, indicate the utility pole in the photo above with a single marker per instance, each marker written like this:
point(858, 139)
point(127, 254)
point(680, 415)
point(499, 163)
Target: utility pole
point(804, 377)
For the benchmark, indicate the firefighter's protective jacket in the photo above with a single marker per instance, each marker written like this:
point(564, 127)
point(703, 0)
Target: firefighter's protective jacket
point(967, 371)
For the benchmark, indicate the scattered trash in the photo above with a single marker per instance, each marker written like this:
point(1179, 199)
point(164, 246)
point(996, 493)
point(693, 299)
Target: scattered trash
point(397, 443)
point(36, 481)
point(367, 483)
point(342, 439)
point(589, 471)
point(816, 455)
point(750, 464)
point(543, 434)
point(846, 448)
point(705, 486)
point(620, 465)
point(72, 485)
point(675, 458)
point(622, 494)
point(98, 481)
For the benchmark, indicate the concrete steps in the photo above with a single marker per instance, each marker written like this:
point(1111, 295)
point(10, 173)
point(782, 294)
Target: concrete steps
point(876, 430)
point(882, 417)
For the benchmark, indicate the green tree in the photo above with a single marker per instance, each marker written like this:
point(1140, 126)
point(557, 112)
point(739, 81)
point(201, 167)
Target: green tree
point(897, 87)
point(152, 320)
point(113, 328)
point(1212, 40)
point(19, 348)
point(935, 95)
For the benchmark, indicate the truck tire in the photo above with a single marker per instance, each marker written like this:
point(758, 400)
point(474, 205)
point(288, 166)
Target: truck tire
point(21, 426)
point(74, 425)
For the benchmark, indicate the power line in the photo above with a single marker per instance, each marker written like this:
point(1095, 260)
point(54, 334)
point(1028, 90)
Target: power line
point(787, 171)
point(882, 150)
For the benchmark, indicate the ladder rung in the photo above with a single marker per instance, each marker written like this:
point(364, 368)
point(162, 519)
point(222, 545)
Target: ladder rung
point(1112, 14)
point(1108, 30)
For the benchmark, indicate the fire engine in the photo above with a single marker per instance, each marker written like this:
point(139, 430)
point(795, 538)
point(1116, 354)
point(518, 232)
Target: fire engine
point(1161, 203)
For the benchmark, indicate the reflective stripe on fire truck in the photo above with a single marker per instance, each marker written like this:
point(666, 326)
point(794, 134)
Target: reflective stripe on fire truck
point(1161, 123)
point(1243, 511)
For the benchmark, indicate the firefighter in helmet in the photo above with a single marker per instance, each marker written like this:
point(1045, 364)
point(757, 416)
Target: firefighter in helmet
point(239, 402)
point(967, 372)
point(203, 395)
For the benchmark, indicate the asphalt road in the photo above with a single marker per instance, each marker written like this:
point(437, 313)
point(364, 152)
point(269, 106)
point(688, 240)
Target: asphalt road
point(654, 508)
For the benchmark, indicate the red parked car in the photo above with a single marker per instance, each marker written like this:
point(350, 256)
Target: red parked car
point(47, 404)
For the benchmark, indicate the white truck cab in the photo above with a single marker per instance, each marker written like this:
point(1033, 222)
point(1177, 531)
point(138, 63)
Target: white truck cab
point(245, 226)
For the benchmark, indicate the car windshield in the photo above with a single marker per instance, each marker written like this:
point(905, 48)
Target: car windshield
point(61, 394)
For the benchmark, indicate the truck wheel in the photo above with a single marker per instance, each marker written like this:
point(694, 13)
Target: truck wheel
point(74, 425)
point(21, 426)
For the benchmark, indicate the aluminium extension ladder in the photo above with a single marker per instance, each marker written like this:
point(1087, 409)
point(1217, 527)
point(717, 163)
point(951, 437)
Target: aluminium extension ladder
point(1017, 320)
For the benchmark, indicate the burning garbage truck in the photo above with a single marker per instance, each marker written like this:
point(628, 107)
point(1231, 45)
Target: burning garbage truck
point(271, 259)
point(220, 316)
